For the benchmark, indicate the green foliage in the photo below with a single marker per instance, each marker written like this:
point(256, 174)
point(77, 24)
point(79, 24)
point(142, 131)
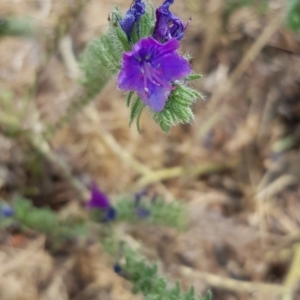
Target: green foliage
point(16, 26)
point(145, 279)
point(293, 15)
point(46, 221)
point(160, 212)
point(102, 57)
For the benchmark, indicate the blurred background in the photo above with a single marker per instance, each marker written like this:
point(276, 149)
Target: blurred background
point(236, 167)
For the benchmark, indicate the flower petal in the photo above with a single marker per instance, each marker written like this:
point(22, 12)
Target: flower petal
point(129, 77)
point(168, 47)
point(174, 67)
point(98, 199)
point(156, 97)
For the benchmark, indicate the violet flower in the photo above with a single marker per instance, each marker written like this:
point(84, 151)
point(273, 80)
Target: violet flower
point(168, 25)
point(138, 196)
point(117, 268)
point(142, 212)
point(150, 68)
point(137, 9)
point(100, 201)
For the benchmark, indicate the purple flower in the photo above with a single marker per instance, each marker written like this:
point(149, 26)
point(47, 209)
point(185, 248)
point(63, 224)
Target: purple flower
point(98, 199)
point(101, 202)
point(117, 268)
point(132, 17)
point(150, 68)
point(168, 25)
point(138, 196)
point(142, 212)
point(110, 214)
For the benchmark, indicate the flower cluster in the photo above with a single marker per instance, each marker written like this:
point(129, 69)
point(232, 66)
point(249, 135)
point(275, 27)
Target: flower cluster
point(150, 69)
point(142, 49)
point(154, 63)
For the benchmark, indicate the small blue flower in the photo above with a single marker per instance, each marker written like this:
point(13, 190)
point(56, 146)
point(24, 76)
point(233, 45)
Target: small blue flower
point(110, 214)
point(150, 68)
point(138, 196)
point(6, 211)
point(142, 212)
point(168, 25)
point(117, 268)
point(137, 9)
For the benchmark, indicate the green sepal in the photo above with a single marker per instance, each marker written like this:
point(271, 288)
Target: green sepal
point(129, 97)
point(160, 212)
point(193, 77)
point(116, 30)
point(136, 111)
point(177, 108)
point(17, 26)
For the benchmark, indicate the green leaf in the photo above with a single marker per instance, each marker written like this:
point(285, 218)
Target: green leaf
point(103, 56)
point(146, 279)
point(293, 15)
point(17, 26)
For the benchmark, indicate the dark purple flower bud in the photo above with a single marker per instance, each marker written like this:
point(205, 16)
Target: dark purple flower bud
point(6, 211)
point(138, 196)
point(142, 212)
point(117, 268)
point(98, 199)
point(150, 68)
point(137, 9)
point(168, 25)
point(110, 214)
